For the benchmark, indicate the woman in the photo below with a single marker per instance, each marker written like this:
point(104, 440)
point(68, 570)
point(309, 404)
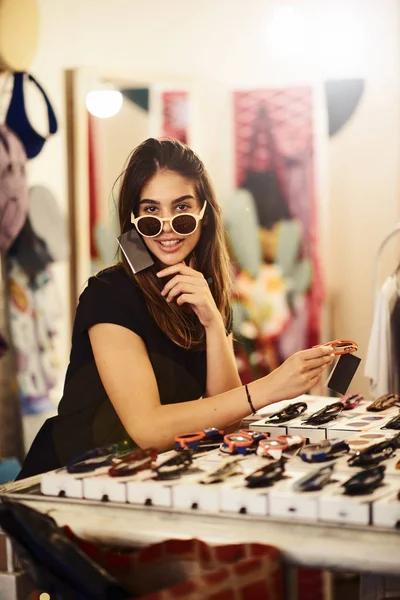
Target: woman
point(152, 353)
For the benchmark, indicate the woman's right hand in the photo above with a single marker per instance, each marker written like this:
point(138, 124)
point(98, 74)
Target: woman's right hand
point(299, 373)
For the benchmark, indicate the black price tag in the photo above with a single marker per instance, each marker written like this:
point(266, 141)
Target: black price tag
point(343, 373)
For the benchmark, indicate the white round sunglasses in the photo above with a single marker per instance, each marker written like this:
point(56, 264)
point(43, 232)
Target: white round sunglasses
point(151, 226)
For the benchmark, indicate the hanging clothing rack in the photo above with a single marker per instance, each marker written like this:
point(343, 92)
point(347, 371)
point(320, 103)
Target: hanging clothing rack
point(375, 277)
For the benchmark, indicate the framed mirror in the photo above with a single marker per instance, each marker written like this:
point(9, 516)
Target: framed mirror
point(108, 115)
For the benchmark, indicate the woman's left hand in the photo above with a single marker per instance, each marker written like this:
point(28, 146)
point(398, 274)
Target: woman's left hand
point(189, 286)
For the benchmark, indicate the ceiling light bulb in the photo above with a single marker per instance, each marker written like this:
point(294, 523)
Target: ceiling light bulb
point(104, 103)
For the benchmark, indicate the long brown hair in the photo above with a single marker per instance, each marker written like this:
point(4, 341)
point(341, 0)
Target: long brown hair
point(210, 255)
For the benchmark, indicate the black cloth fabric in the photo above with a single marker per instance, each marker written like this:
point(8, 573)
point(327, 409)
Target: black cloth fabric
point(395, 333)
point(86, 418)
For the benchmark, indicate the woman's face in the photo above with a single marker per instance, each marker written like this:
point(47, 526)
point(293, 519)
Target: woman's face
point(165, 195)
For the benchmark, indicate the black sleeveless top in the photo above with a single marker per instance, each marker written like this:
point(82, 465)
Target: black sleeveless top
point(86, 418)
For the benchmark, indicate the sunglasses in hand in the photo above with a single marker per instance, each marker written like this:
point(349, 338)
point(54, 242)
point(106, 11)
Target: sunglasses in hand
point(342, 346)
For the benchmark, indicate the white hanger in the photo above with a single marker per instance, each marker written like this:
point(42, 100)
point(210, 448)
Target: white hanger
point(378, 256)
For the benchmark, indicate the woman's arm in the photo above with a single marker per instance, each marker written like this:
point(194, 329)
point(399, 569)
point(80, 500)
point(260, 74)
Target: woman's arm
point(128, 378)
point(222, 373)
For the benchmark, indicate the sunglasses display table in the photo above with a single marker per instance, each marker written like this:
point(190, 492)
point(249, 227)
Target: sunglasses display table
point(321, 529)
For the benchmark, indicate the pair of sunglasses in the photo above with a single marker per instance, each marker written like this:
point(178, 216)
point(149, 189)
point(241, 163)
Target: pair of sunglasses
point(267, 475)
point(275, 447)
point(315, 481)
point(326, 414)
point(291, 411)
point(324, 451)
point(364, 482)
point(173, 467)
point(384, 402)
point(351, 401)
point(206, 439)
point(239, 443)
point(394, 423)
point(133, 463)
point(342, 346)
point(99, 457)
point(224, 471)
point(183, 224)
point(373, 455)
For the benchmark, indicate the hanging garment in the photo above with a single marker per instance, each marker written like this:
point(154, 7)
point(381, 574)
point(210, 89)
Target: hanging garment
point(48, 222)
point(380, 350)
point(13, 187)
point(17, 118)
point(262, 181)
point(30, 251)
point(395, 331)
point(33, 310)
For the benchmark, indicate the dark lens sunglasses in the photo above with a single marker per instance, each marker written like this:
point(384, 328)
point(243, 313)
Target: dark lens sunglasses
point(324, 451)
point(394, 423)
point(226, 470)
point(325, 414)
point(133, 463)
point(173, 467)
point(373, 455)
point(266, 475)
point(315, 481)
point(364, 482)
point(291, 411)
point(99, 457)
point(183, 224)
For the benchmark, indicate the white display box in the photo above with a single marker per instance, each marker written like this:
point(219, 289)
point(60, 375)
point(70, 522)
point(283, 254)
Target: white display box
point(289, 504)
point(61, 484)
point(386, 511)
point(149, 492)
point(195, 495)
point(70, 485)
point(273, 430)
point(240, 499)
point(105, 488)
point(337, 507)
point(313, 433)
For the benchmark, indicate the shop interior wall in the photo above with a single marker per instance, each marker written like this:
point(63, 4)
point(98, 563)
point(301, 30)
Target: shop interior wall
point(222, 46)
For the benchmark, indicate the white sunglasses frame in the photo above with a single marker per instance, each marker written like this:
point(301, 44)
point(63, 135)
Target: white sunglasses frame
point(198, 218)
